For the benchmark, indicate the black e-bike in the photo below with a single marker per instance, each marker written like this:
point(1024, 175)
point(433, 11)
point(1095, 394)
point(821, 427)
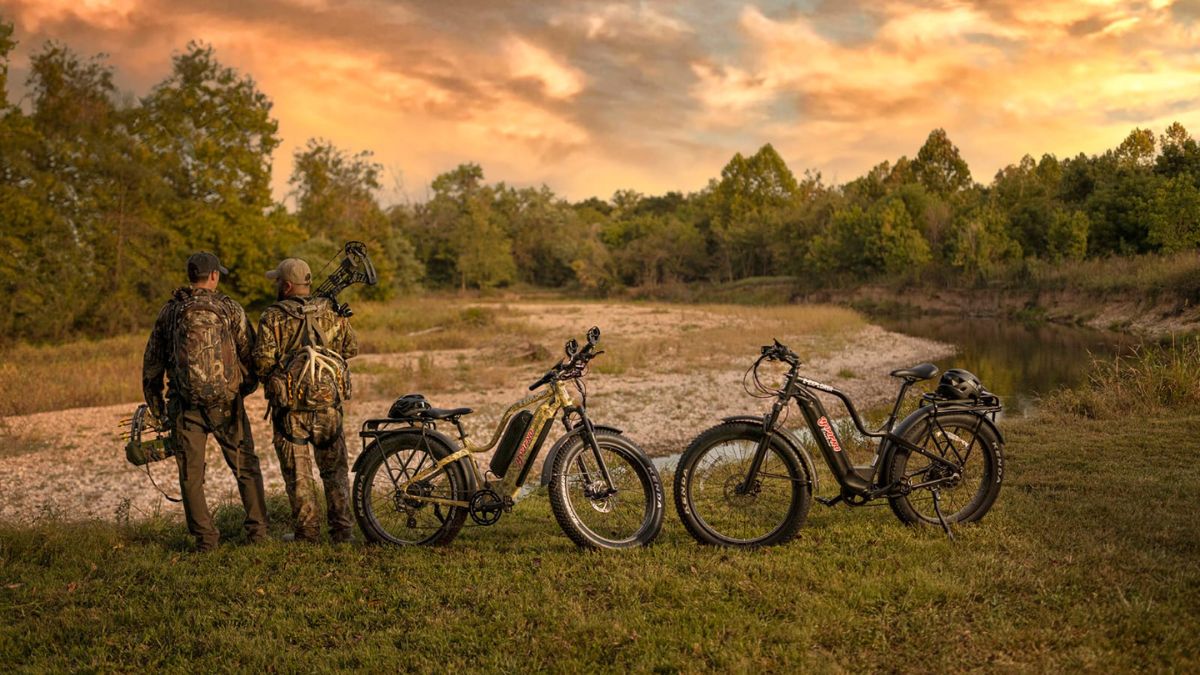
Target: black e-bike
point(747, 482)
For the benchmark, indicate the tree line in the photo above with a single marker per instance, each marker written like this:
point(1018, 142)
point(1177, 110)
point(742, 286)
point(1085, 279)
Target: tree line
point(103, 194)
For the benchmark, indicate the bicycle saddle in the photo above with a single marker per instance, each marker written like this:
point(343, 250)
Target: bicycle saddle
point(442, 413)
point(921, 372)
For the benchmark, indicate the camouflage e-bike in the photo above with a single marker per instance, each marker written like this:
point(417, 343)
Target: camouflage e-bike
point(747, 482)
point(414, 485)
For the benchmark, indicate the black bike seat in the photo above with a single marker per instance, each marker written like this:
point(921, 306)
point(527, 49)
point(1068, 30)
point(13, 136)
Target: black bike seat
point(443, 413)
point(921, 372)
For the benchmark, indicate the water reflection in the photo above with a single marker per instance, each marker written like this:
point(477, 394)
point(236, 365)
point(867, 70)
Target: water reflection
point(1018, 361)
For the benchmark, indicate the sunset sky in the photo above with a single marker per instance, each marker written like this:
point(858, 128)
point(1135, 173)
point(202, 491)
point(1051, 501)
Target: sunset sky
point(589, 97)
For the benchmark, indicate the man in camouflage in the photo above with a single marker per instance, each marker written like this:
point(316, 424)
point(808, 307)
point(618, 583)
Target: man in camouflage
point(203, 342)
point(304, 435)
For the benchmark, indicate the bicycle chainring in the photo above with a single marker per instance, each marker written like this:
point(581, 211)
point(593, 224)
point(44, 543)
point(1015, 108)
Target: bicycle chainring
point(486, 507)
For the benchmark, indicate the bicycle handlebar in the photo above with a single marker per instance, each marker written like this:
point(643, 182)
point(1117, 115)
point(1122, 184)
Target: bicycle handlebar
point(780, 352)
point(578, 360)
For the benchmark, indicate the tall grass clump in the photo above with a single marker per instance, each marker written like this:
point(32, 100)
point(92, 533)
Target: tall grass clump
point(37, 378)
point(1149, 379)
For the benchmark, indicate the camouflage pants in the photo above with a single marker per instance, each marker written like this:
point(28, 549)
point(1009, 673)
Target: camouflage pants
point(192, 428)
point(301, 437)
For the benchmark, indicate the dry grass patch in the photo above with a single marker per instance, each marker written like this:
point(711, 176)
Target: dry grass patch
point(77, 374)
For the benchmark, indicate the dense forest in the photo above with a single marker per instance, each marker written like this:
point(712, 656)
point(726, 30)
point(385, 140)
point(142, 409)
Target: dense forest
point(103, 194)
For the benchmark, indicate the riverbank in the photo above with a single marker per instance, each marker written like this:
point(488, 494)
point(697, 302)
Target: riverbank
point(1151, 296)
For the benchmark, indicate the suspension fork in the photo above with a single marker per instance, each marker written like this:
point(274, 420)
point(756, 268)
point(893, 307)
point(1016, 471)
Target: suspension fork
point(588, 434)
point(760, 453)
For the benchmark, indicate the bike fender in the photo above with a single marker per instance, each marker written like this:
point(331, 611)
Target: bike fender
point(919, 414)
point(788, 438)
point(548, 465)
point(435, 438)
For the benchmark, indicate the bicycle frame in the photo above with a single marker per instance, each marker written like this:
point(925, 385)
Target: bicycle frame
point(550, 403)
point(858, 486)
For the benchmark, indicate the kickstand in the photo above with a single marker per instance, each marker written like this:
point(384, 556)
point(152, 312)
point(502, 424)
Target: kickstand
point(937, 508)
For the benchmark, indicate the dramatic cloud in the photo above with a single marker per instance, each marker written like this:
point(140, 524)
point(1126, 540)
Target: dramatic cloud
point(589, 97)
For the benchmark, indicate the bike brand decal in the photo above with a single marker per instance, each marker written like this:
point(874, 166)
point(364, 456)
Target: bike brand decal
point(829, 435)
point(815, 385)
point(525, 443)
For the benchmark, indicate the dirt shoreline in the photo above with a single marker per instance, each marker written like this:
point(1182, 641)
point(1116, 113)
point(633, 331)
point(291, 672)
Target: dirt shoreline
point(1134, 315)
point(74, 468)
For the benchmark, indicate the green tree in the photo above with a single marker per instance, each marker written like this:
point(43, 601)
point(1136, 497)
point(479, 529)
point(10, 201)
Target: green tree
point(213, 133)
point(1137, 150)
point(7, 44)
point(940, 167)
point(896, 244)
point(462, 233)
point(335, 195)
point(1067, 235)
point(982, 246)
point(1179, 153)
point(114, 193)
point(746, 208)
point(1175, 223)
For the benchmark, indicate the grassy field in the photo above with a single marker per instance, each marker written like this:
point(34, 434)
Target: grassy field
point(1088, 562)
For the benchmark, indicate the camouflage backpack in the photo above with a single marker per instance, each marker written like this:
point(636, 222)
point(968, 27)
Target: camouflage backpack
point(207, 369)
point(311, 375)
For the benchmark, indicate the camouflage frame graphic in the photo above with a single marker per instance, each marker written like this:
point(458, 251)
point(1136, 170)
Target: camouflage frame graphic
point(551, 401)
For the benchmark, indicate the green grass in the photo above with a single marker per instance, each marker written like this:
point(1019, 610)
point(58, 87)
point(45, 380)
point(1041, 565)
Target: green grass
point(1087, 562)
point(1151, 379)
point(1147, 276)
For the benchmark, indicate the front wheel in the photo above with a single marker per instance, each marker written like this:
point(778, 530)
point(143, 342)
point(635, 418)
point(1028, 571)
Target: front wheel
point(716, 504)
point(966, 492)
point(595, 514)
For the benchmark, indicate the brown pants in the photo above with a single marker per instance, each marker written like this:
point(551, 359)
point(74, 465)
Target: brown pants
point(192, 428)
point(299, 438)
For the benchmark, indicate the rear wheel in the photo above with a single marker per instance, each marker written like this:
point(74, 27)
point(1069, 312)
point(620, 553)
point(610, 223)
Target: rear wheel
point(967, 442)
point(595, 516)
point(715, 504)
point(392, 508)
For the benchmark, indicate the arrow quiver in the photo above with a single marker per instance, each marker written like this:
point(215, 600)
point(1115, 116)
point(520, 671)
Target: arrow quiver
point(355, 268)
point(146, 438)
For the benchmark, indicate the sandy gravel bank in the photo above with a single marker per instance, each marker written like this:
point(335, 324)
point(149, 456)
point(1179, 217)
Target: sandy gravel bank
point(72, 463)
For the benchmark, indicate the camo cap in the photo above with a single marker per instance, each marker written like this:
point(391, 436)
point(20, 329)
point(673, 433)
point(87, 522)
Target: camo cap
point(293, 270)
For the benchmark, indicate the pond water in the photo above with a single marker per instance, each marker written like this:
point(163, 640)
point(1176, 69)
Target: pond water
point(1016, 360)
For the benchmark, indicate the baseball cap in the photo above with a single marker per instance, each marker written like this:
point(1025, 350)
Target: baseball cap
point(293, 270)
point(202, 264)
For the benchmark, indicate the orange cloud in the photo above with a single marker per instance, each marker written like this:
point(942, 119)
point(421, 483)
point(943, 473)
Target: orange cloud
point(593, 96)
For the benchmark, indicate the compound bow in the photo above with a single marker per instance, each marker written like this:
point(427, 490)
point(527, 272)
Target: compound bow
point(355, 268)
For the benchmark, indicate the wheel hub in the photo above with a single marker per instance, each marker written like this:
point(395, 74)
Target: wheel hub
point(738, 494)
point(600, 496)
point(405, 500)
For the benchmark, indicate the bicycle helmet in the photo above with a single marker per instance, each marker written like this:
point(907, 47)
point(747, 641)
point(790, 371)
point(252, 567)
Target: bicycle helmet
point(957, 385)
point(408, 404)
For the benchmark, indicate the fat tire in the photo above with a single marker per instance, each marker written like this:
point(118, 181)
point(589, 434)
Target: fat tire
point(651, 483)
point(795, 514)
point(364, 480)
point(991, 480)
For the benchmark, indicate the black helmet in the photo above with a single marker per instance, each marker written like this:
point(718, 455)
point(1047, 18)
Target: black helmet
point(957, 384)
point(408, 404)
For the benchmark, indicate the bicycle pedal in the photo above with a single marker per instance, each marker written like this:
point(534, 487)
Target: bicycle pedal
point(830, 501)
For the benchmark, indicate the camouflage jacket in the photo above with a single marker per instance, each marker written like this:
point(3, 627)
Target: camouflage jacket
point(159, 357)
point(279, 331)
